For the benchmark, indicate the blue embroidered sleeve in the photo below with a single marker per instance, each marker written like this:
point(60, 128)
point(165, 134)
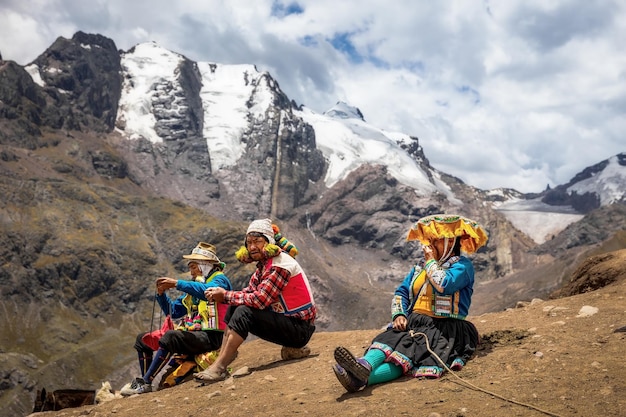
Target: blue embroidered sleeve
point(176, 307)
point(197, 288)
point(449, 280)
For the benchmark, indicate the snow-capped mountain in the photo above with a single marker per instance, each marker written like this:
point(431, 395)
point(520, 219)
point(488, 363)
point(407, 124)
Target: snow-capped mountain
point(211, 118)
point(348, 141)
point(226, 139)
point(607, 180)
point(545, 215)
point(232, 95)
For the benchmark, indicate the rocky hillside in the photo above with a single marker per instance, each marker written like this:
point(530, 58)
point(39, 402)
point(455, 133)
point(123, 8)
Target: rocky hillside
point(553, 357)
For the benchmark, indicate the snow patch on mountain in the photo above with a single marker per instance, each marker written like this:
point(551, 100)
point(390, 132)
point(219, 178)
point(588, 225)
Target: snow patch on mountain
point(343, 110)
point(609, 184)
point(149, 73)
point(226, 91)
point(33, 70)
point(536, 219)
point(223, 98)
point(349, 142)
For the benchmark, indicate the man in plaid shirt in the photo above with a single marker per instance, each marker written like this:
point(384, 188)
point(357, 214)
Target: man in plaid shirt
point(277, 305)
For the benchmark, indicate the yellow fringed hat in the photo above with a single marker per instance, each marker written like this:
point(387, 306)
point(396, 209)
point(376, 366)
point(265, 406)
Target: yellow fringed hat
point(438, 226)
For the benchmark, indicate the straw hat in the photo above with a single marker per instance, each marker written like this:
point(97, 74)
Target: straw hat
point(203, 252)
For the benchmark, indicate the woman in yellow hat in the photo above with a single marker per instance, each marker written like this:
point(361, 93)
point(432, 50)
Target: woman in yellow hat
point(428, 332)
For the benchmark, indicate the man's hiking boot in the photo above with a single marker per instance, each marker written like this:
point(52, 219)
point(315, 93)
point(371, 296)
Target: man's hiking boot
point(138, 386)
point(288, 353)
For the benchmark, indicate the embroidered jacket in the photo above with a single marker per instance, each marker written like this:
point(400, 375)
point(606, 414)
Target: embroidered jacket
point(436, 290)
point(193, 308)
point(278, 283)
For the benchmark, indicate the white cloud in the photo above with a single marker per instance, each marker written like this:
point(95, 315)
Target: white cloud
point(516, 94)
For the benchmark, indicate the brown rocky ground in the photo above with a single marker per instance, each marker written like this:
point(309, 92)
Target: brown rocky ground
point(553, 357)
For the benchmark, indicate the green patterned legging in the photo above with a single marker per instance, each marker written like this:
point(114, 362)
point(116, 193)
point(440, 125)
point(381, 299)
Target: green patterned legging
point(381, 371)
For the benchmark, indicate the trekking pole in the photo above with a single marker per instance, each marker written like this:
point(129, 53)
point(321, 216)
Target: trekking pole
point(152, 316)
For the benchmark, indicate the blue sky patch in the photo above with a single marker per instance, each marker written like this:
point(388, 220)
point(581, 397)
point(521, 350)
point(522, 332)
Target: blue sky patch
point(465, 89)
point(342, 43)
point(280, 9)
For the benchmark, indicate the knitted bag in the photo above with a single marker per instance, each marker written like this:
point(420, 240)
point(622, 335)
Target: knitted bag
point(151, 339)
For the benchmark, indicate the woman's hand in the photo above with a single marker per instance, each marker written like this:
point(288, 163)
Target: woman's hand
point(215, 294)
point(399, 323)
point(165, 283)
point(428, 252)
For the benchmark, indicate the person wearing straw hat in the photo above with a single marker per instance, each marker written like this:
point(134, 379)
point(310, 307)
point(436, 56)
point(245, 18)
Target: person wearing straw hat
point(428, 333)
point(201, 327)
point(276, 306)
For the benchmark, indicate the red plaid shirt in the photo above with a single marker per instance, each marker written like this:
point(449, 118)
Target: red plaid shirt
point(264, 289)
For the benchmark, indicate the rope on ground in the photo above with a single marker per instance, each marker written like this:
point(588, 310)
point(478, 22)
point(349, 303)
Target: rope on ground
point(469, 384)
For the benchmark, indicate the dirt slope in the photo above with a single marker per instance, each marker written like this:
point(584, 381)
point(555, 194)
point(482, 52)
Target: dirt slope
point(547, 358)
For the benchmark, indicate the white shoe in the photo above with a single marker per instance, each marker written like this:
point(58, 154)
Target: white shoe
point(138, 386)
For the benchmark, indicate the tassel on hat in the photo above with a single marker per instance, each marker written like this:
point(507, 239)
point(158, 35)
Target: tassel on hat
point(270, 250)
point(243, 255)
point(284, 243)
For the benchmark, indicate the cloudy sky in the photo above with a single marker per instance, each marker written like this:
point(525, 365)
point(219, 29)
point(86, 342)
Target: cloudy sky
point(516, 93)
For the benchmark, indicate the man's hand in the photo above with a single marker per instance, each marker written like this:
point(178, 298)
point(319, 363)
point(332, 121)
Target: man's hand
point(165, 283)
point(399, 323)
point(215, 294)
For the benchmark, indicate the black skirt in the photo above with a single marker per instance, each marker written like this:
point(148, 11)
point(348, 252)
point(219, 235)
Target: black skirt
point(448, 338)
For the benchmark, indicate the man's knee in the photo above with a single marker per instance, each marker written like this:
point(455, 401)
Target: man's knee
point(241, 321)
